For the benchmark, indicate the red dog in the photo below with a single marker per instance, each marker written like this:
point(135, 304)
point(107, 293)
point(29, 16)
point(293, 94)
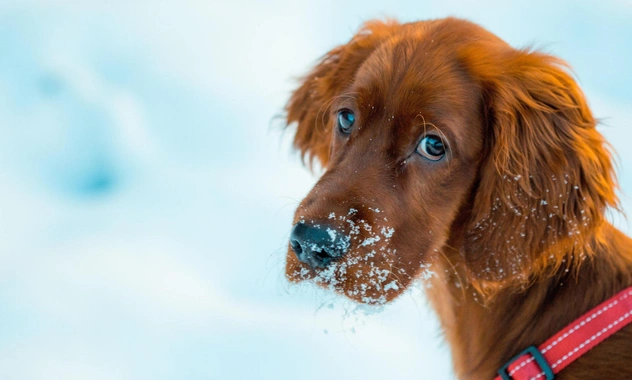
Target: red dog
point(451, 155)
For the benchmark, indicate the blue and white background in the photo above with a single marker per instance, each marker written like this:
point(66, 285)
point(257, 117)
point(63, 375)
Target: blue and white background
point(146, 189)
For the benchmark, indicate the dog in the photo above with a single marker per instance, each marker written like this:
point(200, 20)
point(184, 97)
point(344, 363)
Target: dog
point(450, 156)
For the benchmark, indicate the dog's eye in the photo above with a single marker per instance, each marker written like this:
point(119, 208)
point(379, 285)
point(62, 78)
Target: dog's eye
point(345, 121)
point(432, 148)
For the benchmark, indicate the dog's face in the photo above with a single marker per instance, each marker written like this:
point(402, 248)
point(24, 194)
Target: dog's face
point(404, 150)
point(404, 119)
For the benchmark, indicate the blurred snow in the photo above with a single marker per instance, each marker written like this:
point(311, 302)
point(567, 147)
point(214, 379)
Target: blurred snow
point(148, 191)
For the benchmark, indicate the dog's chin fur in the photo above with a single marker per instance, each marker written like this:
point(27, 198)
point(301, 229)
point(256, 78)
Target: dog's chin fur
point(510, 221)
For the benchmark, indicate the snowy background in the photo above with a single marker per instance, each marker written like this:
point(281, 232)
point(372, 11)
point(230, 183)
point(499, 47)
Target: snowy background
point(147, 191)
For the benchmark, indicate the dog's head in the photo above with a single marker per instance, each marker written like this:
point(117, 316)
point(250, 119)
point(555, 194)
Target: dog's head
point(437, 136)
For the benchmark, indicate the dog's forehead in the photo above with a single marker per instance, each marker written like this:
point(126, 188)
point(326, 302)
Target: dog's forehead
point(417, 82)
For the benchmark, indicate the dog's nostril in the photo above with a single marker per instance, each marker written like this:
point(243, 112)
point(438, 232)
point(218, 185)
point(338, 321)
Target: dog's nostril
point(317, 245)
point(296, 246)
point(322, 255)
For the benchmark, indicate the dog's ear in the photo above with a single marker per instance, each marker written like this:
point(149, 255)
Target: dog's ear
point(309, 104)
point(547, 178)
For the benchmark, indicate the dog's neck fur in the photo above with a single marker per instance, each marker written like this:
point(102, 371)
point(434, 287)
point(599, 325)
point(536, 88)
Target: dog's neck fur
point(491, 332)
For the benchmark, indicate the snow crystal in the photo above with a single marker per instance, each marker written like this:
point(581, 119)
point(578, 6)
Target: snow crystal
point(332, 234)
point(370, 241)
point(387, 232)
point(391, 285)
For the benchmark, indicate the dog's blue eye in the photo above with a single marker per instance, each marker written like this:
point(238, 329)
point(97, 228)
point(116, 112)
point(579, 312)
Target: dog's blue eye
point(432, 148)
point(345, 121)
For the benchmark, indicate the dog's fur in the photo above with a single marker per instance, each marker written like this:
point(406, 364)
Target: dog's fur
point(508, 228)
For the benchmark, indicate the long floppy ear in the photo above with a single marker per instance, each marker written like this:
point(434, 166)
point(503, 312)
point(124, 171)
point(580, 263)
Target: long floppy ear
point(309, 104)
point(546, 182)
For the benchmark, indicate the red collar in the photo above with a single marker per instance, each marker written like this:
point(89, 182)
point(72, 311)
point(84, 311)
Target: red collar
point(548, 359)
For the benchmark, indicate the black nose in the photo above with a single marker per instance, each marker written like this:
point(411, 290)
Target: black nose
point(317, 245)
